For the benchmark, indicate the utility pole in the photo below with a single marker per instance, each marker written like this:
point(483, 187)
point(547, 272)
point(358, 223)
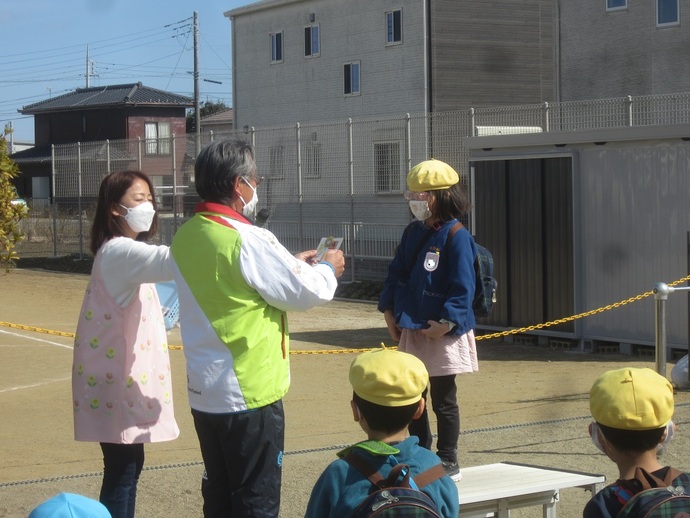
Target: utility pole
point(197, 107)
point(89, 68)
point(9, 130)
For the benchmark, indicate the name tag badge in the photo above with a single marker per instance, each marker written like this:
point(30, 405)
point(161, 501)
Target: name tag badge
point(431, 261)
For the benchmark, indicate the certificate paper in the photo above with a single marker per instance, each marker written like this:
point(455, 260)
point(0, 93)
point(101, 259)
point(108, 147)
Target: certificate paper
point(327, 243)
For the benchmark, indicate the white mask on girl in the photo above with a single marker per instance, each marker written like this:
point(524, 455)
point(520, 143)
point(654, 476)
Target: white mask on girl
point(250, 206)
point(140, 218)
point(420, 209)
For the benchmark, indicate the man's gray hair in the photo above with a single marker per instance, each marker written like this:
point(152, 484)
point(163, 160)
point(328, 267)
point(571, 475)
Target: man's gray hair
point(218, 166)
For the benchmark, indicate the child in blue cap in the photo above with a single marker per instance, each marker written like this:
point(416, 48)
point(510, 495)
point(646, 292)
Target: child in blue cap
point(69, 505)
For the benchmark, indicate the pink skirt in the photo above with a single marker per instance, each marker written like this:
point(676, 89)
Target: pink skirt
point(442, 356)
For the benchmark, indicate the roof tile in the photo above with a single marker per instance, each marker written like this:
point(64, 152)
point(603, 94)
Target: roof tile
point(113, 95)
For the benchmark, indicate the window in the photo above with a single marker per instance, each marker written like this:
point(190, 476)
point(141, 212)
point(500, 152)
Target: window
point(387, 167)
point(157, 138)
point(394, 26)
point(667, 12)
point(311, 160)
point(276, 162)
point(276, 47)
point(311, 41)
point(351, 77)
point(616, 5)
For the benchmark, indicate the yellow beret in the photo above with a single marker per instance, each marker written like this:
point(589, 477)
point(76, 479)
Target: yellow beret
point(632, 399)
point(388, 377)
point(431, 175)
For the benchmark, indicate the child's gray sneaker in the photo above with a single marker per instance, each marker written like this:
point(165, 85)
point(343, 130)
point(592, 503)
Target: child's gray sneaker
point(452, 470)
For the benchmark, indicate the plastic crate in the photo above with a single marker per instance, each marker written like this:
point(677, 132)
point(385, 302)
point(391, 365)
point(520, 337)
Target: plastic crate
point(170, 304)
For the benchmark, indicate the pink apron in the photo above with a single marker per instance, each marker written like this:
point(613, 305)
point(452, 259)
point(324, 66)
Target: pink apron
point(121, 379)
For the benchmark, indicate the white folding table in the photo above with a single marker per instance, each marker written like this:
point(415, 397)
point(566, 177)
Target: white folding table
point(495, 489)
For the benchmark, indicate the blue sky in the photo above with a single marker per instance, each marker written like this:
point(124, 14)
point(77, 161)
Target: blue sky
point(44, 49)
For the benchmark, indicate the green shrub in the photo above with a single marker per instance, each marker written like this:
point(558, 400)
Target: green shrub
point(11, 209)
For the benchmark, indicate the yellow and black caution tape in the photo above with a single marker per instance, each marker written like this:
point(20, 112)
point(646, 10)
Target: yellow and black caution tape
point(500, 334)
point(37, 329)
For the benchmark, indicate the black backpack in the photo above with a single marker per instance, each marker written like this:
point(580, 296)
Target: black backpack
point(486, 285)
point(658, 498)
point(397, 494)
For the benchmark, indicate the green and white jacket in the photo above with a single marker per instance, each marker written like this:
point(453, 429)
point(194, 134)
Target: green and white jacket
point(235, 283)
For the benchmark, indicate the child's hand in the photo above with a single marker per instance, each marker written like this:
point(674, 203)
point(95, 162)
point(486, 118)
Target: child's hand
point(393, 329)
point(435, 329)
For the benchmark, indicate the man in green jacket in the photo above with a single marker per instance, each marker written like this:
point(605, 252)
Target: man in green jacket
point(236, 282)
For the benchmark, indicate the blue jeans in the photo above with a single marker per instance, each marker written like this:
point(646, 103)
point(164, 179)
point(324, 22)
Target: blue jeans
point(243, 455)
point(122, 464)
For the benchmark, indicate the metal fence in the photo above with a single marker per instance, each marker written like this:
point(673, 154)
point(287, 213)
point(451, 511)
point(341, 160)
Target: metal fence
point(332, 178)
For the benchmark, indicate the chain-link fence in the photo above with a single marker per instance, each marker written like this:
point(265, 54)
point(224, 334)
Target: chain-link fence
point(334, 178)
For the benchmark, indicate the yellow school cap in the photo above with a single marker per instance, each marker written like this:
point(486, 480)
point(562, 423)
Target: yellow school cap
point(388, 377)
point(632, 399)
point(431, 175)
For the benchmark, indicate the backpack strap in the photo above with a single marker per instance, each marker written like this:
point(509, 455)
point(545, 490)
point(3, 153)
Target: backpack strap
point(649, 480)
point(430, 475)
point(453, 230)
point(644, 480)
point(395, 474)
point(365, 468)
point(375, 477)
point(671, 475)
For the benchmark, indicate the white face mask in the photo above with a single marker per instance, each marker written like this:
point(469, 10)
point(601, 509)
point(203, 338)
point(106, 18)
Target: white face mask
point(594, 434)
point(420, 209)
point(139, 218)
point(250, 206)
point(670, 429)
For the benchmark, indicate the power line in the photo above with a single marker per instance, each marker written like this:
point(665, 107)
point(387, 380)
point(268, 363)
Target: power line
point(38, 66)
point(216, 54)
point(36, 71)
point(64, 66)
point(80, 47)
point(177, 63)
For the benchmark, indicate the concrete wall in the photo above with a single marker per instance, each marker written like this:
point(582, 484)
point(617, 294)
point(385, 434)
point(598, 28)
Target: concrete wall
point(491, 53)
point(311, 88)
point(461, 53)
point(618, 53)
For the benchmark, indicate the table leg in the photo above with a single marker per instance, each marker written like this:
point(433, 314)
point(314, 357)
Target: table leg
point(550, 507)
point(503, 509)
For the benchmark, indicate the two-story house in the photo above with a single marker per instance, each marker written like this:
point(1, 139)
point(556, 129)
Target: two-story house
point(218, 123)
point(96, 114)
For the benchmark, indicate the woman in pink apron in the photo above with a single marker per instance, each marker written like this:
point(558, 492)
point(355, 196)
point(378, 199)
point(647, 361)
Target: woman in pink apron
point(121, 378)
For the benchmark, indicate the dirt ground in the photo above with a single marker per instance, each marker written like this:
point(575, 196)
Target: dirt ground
point(526, 404)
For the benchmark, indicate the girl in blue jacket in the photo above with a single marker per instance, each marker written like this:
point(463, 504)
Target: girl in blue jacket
point(427, 298)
